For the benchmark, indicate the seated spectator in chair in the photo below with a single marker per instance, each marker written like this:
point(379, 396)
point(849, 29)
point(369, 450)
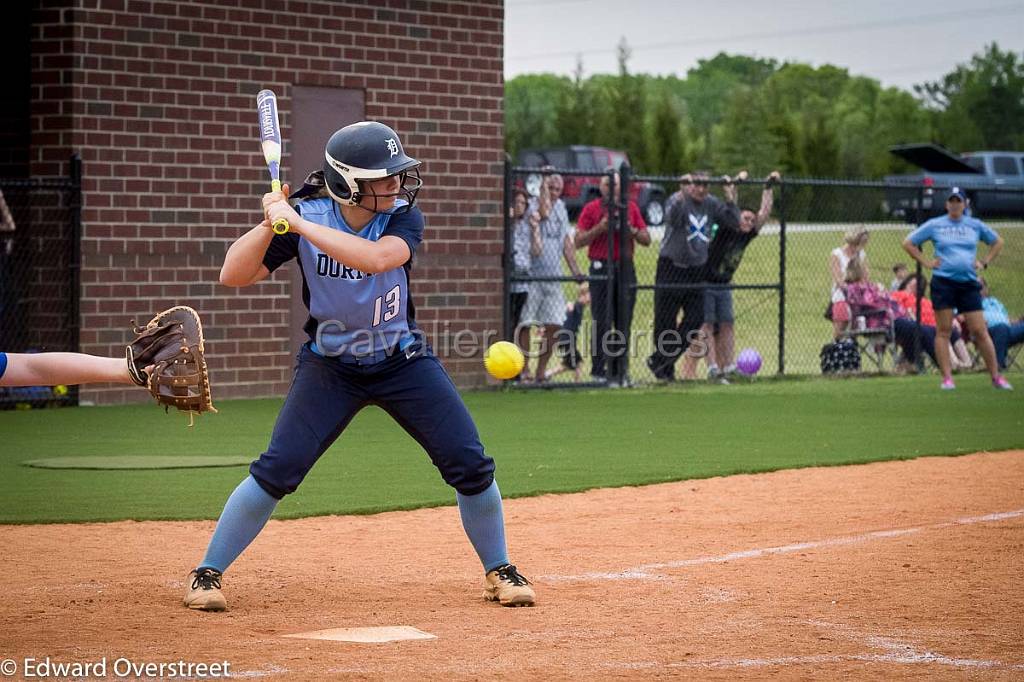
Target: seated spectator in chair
point(1005, 334)
point(852, 249)
point(867, 299)
point(900, 272)
point(909, 294)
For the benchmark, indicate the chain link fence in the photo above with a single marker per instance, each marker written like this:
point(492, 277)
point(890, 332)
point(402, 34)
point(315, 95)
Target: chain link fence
point(751, 287)
point(556, 302)
point(40, 228)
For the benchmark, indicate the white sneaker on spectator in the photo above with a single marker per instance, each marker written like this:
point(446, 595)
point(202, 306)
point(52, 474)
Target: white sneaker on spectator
point(716, 376)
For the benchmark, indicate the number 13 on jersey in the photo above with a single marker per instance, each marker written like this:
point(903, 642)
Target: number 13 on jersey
point(386, 307)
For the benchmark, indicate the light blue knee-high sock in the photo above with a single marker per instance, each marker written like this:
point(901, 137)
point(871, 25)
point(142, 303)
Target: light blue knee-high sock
point(244, 516)
point(485, 525)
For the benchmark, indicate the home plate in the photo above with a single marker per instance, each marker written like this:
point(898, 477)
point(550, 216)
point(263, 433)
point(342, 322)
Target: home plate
point(395, 633)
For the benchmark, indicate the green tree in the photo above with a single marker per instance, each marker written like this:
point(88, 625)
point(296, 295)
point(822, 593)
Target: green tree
point(799, 99)
point(628, 111)
point(710, 85)
point(574, 112)
point(666, 152)
point(981, 103)
point(743, 139)
point(734, 112)
point(899, 119)
point(853, 120)
point(530, 110)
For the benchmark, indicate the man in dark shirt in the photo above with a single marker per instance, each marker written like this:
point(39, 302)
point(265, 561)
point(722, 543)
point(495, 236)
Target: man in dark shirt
point(693, 219)
point(724, 256)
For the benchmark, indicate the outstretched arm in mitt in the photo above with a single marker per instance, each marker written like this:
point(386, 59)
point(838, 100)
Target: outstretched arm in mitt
point(167, 356)
point(53, 369)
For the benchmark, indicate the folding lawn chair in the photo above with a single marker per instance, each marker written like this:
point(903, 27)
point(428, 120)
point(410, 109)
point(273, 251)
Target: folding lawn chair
point(871, 328)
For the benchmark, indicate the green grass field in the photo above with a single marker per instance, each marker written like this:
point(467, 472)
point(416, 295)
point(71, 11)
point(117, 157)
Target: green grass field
point(807, 289)
point(543, 442)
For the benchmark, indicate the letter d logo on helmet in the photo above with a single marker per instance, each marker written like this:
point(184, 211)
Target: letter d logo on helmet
point(363, 152)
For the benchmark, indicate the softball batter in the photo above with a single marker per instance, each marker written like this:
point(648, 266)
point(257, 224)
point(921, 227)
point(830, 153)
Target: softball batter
point(354, 241)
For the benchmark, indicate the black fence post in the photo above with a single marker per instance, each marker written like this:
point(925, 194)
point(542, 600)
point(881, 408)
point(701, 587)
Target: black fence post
point(507, 255)
point(622, 239)
point(611, 267)
point(782, 277)
point(919, 290)
point(75, 288)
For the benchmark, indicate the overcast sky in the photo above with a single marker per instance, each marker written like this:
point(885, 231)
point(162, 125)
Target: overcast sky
point(898, 43)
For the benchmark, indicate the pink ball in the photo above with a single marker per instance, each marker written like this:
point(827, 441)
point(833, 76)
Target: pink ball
point(748, 361)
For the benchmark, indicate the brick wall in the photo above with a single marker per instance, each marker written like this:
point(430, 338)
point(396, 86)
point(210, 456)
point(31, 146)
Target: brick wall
point(158, 97)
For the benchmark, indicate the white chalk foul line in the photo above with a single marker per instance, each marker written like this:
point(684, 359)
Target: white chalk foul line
point(895, 651)
point(649, 571)
point(903, 658)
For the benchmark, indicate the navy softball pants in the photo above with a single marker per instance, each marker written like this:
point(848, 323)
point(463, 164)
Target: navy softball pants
point(326, 394)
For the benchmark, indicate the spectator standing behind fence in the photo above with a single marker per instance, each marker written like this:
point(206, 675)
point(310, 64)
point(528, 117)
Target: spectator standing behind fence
point(525, 231)
point(694, 217)
point(854, 242)
point(545, 303)
point(724, 256)
point(592, 231)
point(1004, 333)
point(955, 282)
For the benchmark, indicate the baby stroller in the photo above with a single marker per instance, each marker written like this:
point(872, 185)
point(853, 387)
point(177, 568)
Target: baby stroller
point(872, 314)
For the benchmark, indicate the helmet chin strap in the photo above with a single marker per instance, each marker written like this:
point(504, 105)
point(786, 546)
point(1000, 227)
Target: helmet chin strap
point(355, 201)
point(356, 197)
point(369, 210)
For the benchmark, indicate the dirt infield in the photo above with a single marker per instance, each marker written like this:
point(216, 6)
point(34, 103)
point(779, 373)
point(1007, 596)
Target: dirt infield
point(899, 569)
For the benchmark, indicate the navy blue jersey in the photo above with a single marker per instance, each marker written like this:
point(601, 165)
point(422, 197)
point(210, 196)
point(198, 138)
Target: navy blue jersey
point(356, 313)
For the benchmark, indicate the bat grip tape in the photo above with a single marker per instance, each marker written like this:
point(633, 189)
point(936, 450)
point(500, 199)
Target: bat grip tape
point(280, 226)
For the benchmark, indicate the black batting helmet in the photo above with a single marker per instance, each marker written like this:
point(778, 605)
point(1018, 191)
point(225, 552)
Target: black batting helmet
point(367, 151)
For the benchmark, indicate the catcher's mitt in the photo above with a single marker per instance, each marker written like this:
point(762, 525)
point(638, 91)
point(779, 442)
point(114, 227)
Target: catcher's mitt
point(171, 346)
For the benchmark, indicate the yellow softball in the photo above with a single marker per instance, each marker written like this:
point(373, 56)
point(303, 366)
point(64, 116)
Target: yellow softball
point(60, 390)
point(503, 360)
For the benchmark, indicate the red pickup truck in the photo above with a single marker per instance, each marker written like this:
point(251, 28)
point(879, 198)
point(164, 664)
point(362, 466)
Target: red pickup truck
point(579, 189)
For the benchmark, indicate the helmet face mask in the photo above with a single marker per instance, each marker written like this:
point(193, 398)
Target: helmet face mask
point(409, 185)
point(362, 153)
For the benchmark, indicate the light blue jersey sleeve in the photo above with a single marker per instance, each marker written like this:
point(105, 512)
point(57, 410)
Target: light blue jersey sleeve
point(986, 233)
point(923, 233)
point(994, 311)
